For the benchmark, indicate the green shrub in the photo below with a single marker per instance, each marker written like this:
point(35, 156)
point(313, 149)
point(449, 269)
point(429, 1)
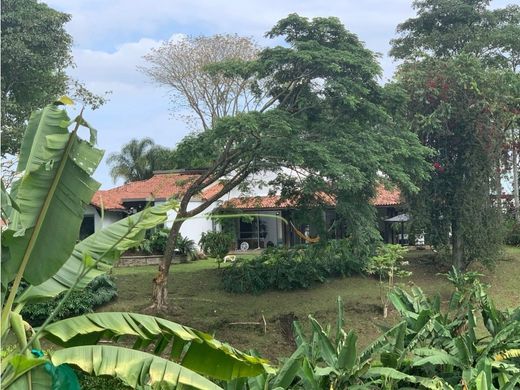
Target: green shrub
point(512, 233)
point(289, 269)
point(155, 241)
point(185, 247)
point(98, 292)
point(216, 244)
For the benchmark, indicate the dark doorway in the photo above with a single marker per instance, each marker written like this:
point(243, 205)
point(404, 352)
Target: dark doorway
point(87, 227)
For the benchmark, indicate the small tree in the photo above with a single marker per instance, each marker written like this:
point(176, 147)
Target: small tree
point(387, 266)
point(216, 244)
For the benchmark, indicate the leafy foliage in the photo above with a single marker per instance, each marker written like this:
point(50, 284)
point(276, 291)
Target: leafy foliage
point(431, 347)
point(186, 247)
point(138, 160)
point(155, 242)
point(457, 109)
point(460, 73)
point(512, 232)
point(388, 266)
point(34, 58)
point(99, 291)
point(51, 161)
point(216, 244)
point(289, 269)
point(443, 28)
point(146, 369)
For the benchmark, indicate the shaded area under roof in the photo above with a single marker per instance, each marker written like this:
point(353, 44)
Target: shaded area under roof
point(399, 218)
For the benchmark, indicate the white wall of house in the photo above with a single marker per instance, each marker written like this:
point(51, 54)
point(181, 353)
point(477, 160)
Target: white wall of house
point(109, 217)
point(193, 227)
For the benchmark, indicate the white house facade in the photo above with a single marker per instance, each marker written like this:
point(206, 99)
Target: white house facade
point(268, 226)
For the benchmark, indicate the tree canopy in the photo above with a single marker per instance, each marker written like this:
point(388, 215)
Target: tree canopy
point(344, 139)
point(35, 53)
point(138, 160)
point(443, 28)
point(184, 66)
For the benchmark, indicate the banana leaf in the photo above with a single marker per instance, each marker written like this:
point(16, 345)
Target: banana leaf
point(14, 368)
point(191, 348)
point(435, 357)
point(54, 188)
point(137, 369)
point(106, 244)
point(36, 379)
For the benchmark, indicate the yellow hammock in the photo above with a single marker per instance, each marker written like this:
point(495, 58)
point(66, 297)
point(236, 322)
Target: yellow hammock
point(304, 237)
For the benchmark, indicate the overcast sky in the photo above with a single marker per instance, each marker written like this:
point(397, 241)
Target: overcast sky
point(111, 36)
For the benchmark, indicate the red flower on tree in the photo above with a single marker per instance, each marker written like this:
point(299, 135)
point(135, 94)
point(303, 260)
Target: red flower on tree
point(438, 167)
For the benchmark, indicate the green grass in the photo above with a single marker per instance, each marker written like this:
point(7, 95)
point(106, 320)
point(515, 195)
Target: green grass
point(197, 300)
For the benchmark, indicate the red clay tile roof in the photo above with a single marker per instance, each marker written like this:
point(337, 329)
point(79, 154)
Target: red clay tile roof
point(168, 185)
point(212, 190)
point(257, 202)
point(384, 198)
point(159, 186)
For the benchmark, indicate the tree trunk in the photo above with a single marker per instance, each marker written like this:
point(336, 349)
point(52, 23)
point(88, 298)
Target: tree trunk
point(160, 282)
point(516, 200)
point(498, 186)
point(457, 247)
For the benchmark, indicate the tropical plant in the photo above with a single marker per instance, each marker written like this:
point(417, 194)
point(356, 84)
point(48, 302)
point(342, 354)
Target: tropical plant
point(216, 244)
point(138, 159)
point(431, 347)
point(155, 241)
point(446, 344)
point(99, 291)
point(387, 266)
point(186, 247)
point(48, 202)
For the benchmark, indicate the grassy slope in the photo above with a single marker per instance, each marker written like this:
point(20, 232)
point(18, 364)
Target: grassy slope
point(197, 300)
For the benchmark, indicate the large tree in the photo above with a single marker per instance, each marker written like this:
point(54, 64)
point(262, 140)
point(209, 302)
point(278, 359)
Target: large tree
point(183, 66)
point(35, 53)
point(459, 71)
point(323, 116)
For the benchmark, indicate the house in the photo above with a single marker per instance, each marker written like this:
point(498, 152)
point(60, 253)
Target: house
point(265, 227)
point(108, 206)
point(262, 229)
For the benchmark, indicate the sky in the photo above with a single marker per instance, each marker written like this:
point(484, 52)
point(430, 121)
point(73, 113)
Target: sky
point(111, 37)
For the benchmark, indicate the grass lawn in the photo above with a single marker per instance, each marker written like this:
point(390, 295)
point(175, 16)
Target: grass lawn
point(197, 300)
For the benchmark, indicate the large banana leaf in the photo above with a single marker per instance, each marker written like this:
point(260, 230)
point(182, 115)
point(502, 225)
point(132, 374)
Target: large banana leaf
point(106, 244)
point(191, 348)
point(137, 369)
point(16, 366)
point(36, 379)
point(52, 193)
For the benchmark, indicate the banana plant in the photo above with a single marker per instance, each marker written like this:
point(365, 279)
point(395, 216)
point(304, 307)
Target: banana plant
point(327, 359)
point(445, 343)
point(42, 215)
